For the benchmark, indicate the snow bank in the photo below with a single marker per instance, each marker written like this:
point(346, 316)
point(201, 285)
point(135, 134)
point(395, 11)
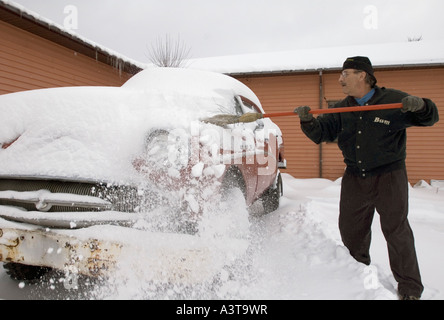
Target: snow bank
point(293, 253)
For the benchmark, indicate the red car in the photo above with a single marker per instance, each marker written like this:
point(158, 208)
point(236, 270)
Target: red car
point(83, 159)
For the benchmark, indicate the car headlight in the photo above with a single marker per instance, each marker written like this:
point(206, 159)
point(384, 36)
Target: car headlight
point(166, 152)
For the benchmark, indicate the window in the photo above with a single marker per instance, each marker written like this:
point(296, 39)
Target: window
point(244, 105)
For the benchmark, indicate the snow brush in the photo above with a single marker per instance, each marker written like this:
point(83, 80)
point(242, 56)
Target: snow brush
point(225, 119)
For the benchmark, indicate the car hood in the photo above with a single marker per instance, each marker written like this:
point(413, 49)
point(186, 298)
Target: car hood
point(95, 133)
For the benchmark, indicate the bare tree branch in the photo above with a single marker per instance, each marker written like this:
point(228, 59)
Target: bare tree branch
point(168, 53)
point(412, 39)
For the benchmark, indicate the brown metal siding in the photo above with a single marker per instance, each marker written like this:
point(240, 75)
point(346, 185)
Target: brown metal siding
point(425, 146)
point(332, 161)
point(284, 93)
point(29, 62)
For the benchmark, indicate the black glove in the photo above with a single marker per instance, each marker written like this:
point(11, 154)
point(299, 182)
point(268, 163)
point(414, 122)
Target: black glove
point(412, 104)
point(303, 113)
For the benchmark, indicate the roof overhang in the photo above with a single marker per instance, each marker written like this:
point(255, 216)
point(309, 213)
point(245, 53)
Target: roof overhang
point(330, 70)
point(384, 56)
point(22, 19)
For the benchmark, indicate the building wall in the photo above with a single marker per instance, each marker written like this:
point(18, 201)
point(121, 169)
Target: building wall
point(284, 93)
point(425, 146)
point(31, 62)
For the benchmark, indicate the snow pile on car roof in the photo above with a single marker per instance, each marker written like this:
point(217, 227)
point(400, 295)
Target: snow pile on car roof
point(95, 132)
point(191, 82)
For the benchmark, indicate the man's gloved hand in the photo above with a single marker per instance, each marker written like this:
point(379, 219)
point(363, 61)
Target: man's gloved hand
point(303, 113)
point(412, 104)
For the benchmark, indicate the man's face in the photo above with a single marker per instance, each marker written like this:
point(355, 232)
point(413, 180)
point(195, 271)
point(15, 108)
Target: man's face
point(350, 81)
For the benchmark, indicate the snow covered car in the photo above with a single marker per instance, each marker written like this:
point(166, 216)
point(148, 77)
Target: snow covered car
point(83, 166)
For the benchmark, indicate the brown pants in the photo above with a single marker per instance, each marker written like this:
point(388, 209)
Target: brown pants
point(388, 194)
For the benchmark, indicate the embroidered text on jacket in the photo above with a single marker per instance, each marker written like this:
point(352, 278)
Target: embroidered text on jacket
point(379, 120)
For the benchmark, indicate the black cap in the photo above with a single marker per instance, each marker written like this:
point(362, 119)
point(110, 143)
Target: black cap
point(359, 63)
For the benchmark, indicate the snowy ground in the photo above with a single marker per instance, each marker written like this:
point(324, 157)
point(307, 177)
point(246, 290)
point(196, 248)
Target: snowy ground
point(294, 253)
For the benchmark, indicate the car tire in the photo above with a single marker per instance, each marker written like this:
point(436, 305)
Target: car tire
point(271, 197)
point(233, 179)
point(22, 272)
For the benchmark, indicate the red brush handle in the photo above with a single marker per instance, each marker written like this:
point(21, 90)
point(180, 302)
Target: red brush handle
point(339, 110)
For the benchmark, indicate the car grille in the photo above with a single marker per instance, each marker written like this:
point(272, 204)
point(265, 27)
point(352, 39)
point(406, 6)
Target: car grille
point(121, 198)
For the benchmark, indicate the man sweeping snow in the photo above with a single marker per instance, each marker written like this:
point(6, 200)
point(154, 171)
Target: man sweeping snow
point(373, 144)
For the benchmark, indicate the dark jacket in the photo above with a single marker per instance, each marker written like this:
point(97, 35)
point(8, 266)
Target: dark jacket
point(371, 141)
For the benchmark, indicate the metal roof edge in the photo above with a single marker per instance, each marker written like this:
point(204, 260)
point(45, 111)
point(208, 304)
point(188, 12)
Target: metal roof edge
point(333, 69)
point(22, 19)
